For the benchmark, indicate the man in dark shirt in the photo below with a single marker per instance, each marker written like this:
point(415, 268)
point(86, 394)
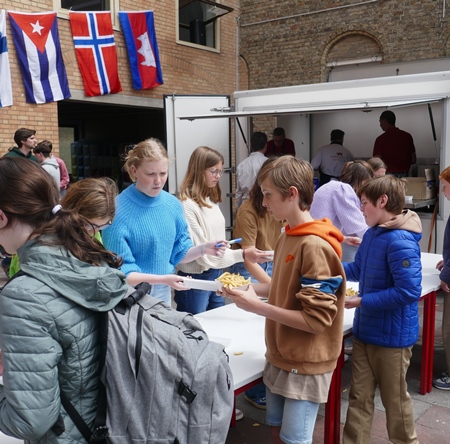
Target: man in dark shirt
point(26, 140)
point(394, 146)
point(279, 145)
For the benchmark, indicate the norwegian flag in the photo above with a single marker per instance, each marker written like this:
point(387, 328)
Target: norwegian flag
point(93, 37)
point(139, 30)
point(40, 58)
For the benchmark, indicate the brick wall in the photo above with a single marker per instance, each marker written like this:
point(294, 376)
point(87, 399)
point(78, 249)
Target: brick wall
point(186, 70)
point(295, 50)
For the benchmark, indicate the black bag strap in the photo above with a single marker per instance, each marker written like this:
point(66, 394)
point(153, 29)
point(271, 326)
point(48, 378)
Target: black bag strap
point(100, 430)
point(100, 433)
point(76, 417)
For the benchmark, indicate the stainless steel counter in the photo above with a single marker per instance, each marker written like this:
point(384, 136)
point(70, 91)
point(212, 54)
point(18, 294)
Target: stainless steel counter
point(420, 203)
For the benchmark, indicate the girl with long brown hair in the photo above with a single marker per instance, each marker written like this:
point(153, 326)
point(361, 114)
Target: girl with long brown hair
point(50, 313)
point(200, 196)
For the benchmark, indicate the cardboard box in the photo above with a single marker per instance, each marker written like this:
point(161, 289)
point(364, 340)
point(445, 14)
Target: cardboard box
point(420, 188)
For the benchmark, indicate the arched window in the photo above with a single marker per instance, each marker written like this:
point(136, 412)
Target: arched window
point(352, 50)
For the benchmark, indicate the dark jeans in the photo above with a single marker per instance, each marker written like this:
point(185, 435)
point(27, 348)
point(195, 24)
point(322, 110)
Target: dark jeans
point(239, 267)
point(256, 392)
point(197, 301)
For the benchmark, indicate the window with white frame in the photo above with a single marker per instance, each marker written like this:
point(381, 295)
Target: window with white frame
point(198, 23)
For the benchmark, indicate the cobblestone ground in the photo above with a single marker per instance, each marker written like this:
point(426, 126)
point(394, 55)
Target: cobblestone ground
point(432, 411)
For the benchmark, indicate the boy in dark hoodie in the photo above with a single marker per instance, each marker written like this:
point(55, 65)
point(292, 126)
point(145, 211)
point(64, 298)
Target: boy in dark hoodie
point(304, 313)
point(386, 323)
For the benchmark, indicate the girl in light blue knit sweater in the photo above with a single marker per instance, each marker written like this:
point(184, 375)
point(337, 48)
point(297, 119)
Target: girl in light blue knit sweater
point(149, 231)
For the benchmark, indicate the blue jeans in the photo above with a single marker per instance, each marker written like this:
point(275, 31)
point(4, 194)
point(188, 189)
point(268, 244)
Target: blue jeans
point(239, 267)
point(198, 301)
point(297, 418)
point(162, 292)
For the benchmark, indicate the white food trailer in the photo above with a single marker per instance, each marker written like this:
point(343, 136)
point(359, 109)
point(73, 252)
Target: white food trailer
point(308, 113)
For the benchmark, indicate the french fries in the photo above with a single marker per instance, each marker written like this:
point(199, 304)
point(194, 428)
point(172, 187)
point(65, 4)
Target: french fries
point(231, 280)
point(351, 292)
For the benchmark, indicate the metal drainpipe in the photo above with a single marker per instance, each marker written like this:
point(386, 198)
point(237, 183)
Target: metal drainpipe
point(175, 144)
point(237, 52)
point(310, 13)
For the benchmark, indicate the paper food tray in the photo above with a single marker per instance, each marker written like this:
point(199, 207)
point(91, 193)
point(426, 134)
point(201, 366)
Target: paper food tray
point(269, 255)
point(198, 284)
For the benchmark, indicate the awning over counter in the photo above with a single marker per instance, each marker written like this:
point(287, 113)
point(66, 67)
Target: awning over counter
point(310, 109)
point(361, 94)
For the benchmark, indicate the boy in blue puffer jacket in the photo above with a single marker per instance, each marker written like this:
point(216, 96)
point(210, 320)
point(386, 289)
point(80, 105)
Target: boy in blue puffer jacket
point(386, 324)
point(442, 382)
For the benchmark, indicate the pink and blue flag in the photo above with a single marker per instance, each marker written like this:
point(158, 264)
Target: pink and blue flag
point(139, 30)
point(38, 50)
point(93, 37)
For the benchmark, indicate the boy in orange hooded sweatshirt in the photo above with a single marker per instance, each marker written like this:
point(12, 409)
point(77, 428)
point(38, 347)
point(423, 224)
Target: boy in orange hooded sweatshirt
point(304, 313)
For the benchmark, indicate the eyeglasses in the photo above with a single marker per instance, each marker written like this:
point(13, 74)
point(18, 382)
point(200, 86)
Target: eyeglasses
point(216, 172)
point(99, 227)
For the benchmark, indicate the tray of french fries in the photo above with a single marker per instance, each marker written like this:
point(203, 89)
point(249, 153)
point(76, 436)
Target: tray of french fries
point(229, 280)
point(352, 289)
point(232, 280)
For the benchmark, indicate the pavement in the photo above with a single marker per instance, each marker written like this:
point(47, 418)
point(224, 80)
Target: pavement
point(431, 411)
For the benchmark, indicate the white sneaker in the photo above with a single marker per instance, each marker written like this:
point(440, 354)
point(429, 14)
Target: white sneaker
point(239, 415)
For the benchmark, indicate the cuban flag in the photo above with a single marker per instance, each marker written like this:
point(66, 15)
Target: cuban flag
point(139, 30)
point(40, 59)
point(93, 37)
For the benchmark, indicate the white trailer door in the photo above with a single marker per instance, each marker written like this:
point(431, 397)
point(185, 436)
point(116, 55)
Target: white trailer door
point(183, 136)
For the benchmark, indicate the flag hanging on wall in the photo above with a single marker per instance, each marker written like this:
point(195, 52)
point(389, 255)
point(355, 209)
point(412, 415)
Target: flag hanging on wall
point(38, 49)
point(93, 37)
point(139, 31)
point(5, 71)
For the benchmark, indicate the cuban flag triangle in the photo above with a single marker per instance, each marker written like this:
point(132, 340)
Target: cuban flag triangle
point(5, 72)
point(40, 59)
point(93, 37)
point(139, 31)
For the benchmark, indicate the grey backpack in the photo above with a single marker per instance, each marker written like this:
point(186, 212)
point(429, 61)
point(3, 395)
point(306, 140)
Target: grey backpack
point(164, 381)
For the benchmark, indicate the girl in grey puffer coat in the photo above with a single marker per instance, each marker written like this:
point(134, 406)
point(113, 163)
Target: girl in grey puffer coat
point(49, 317)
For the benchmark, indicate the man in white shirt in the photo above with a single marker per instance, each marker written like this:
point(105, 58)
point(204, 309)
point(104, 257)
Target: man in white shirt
point(42, 151)
point(330, 159)
point(248, 169)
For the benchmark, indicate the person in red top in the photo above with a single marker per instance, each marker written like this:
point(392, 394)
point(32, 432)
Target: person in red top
point(280, 145)
point(394, 146)
point(65, 179)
